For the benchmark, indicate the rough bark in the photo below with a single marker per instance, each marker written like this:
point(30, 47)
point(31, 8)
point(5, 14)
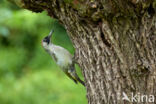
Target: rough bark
point(115, 42)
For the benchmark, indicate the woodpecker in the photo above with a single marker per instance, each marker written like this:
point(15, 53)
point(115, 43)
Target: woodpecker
point(62, 57)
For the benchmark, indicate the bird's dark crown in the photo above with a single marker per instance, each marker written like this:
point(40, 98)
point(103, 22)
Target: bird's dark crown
point(46, 39)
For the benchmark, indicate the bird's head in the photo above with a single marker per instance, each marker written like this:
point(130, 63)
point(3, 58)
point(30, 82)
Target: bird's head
point(47, 40)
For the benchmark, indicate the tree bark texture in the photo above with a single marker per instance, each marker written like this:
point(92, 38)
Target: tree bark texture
point(115, 42)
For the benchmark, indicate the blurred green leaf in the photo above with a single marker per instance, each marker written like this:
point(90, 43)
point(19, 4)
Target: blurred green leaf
point(5, 14)
point(4, 31)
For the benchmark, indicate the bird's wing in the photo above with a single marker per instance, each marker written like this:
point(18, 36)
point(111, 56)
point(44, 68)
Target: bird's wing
point(71, 77)
point(54, 57)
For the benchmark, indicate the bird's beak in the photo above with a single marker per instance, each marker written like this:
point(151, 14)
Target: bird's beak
point(50, 34)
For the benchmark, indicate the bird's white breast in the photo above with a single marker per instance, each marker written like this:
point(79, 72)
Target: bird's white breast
point(64, 58)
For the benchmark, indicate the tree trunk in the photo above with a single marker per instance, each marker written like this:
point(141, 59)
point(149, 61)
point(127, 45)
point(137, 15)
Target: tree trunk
point(115, 42)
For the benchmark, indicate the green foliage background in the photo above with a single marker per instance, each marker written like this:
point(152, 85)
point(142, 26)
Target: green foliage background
point(28, 75)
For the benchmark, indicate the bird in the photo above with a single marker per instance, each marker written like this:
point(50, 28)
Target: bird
point(62, 57)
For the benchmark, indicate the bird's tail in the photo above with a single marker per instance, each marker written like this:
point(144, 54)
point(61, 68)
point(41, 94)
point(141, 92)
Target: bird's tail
point(82, 82)
point(74, 75)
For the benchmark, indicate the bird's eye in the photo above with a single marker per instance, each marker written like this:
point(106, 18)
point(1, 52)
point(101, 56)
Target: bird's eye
point(46, 39)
